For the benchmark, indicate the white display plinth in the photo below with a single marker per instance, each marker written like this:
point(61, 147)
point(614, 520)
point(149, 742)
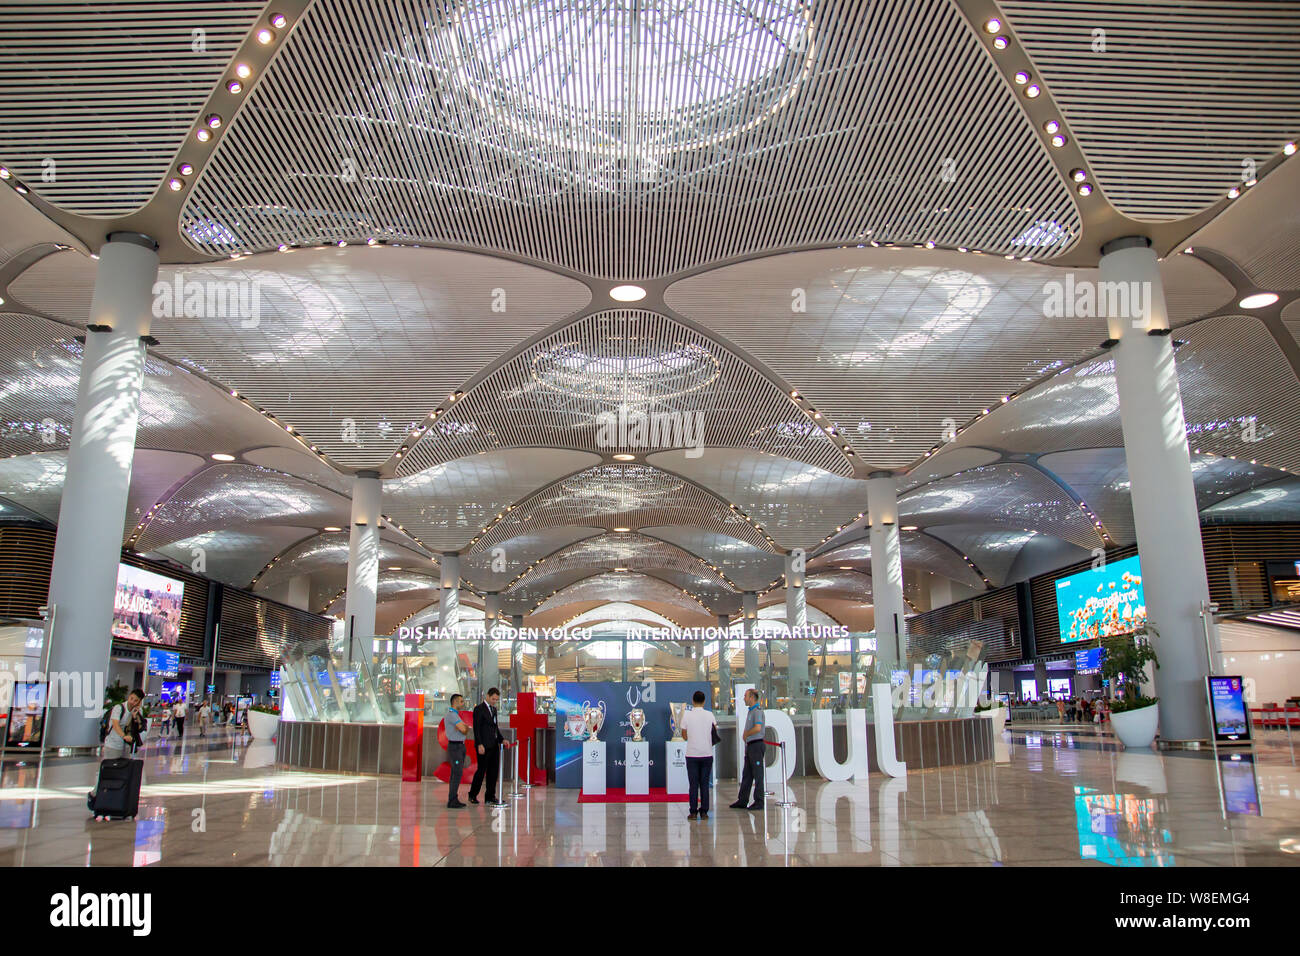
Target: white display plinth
point(636, 767)
point(676, 754)
point(593, 767)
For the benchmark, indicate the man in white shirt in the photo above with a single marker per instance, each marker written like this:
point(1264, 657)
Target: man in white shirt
point(178, 716)
point(697, 729)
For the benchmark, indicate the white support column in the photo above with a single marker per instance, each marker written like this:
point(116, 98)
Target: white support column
point(92, 511)
point(363, 565)
point(449, 603)
point(1165, 514)
point(752, 665)
point(491, 610)
point(886, 571)
point(796, 615)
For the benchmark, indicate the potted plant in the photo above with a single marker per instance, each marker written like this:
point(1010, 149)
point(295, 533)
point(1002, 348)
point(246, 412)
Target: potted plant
point(263, 719)
point(995, 712)
point(1134, 716)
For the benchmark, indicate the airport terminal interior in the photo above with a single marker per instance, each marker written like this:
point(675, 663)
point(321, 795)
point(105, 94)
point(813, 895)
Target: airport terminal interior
point(917, 382)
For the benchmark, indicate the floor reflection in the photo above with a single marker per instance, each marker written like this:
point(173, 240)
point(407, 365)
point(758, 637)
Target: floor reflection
point(1051, 797)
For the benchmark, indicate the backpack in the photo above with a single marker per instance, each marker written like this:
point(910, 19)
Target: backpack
point(106, 722)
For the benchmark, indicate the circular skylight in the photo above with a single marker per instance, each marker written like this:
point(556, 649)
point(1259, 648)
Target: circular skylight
point(627, 79)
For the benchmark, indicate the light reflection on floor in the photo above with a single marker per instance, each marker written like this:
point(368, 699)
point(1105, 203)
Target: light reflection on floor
point(1055, 796)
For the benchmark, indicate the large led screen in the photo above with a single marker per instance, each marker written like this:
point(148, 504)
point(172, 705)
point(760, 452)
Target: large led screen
point(1101, 602)
point(147, 607)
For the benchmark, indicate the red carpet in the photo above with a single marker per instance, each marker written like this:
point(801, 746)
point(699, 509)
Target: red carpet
point(616, 795)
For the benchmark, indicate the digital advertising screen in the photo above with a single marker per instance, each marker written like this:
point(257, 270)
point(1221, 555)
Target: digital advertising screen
point(27, 715)
point(147, 607)
point(1101, 602)
point(173, 690)
point(571, 701)
point(1228, 705)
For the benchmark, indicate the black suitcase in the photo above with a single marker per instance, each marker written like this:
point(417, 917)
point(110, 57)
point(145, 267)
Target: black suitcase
point(117, 795)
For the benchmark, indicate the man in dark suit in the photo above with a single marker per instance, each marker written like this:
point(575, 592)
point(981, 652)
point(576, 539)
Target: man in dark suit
point(488, 740)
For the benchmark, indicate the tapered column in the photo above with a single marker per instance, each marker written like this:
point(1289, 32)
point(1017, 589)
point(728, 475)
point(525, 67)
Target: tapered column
point(796, 616)
point(363, 565)
point(886, 573)
point(751, 648)
point(1163, 495)
point(92, 511)
point(449, 603)
point(492, 610)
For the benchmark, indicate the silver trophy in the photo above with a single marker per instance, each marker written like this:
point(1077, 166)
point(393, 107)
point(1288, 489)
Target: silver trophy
point(636, 719)
point(675, 711)
point(594, 718)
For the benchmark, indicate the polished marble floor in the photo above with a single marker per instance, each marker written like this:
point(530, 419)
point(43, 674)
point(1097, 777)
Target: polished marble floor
point(1057, 795)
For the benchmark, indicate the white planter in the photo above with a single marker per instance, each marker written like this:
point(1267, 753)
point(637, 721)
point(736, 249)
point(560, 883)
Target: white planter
point(262, 726)
point(1136, 728)
point(999, 717)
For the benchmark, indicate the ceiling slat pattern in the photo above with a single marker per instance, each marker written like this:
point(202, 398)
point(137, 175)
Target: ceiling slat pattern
point(583, 136)
point(614, 496)
point(1168, 97)
point(593, 383)
point(106, 92)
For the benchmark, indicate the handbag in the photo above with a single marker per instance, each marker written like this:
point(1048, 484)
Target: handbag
point(713, 733)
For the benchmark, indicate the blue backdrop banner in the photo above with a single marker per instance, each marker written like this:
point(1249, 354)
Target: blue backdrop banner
point(572, 698)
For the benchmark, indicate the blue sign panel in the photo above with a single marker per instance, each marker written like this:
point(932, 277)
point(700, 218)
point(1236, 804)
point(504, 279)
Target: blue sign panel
point(572, 698)
point(1089, 661)
point(163, 663)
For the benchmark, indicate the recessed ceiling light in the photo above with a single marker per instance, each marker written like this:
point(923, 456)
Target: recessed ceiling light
point(846, 567)
point(1288, 149)
point(622, 530)
point(202, 135)
point(243, 71)
point(4, 173)
point(278, 20)
point(331, 528)
point(1052, 126)
point(176, 185)
point(999, 43)
point(1022, 78)
point(234, 86)
point(222, 456)
point(213, 120)
point(185, 169)
point(1078, 175)
point(993, 25)
point(1032, 90)
point(1058, 140)
point(265, 36)
point(1234, 192)
point(624, 457)
point(1085, 189)
point(627, 293)
point(1258, 300)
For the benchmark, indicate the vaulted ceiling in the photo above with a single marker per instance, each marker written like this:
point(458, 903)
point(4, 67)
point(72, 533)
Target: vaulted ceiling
point(845, 218)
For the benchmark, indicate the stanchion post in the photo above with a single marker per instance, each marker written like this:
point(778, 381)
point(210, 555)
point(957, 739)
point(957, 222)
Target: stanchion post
point(501, 804)
point(785, 784)
point(528, 765)
point(514, 792)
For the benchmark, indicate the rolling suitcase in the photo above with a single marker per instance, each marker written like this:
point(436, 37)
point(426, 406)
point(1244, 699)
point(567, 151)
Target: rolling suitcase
point(117, 795)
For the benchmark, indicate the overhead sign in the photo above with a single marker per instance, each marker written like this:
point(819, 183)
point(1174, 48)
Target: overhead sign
point(163, 663)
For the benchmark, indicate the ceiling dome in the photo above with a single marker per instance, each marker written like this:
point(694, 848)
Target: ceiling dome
point(625, 82)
